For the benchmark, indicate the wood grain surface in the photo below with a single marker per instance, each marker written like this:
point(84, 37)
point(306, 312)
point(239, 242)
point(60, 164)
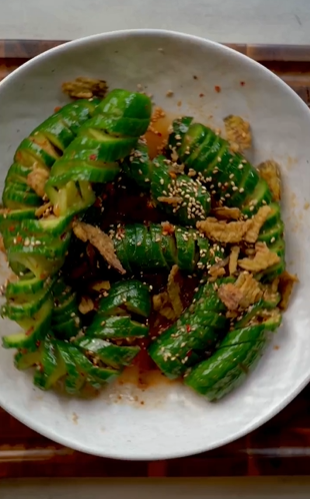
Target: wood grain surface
point(280, 447)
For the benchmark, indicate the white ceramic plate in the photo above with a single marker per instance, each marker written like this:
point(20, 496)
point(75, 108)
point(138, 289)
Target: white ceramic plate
point(173, 421)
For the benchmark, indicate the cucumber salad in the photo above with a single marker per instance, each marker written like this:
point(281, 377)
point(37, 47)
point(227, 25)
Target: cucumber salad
point(117, 255)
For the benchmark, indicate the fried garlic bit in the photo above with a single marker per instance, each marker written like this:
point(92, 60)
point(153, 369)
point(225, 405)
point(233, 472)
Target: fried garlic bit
point(226, 213)
point(243, 293)
point(86, 305)
point(287, 282)
point(270, 172)
point(233, 259)
point(99, 240)
point(85, 88)
point(174, 290)
point(234, 232)
point(162, 305)
point(221, 231)
point(174, 200)
point(238, 133)
point(37, 179)
point(257, 222)
point(263, 259)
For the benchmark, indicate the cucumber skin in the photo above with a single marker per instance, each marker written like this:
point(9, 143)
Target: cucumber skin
point(198, 329)
point(236, 356)
point(225, 369)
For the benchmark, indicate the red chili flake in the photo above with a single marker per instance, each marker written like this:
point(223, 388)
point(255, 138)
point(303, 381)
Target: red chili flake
point(159, 134)
point(150, 204)
point(40, 367)
point(93, 157)
point(30, 330)
point(201, 95)
point(242, 83)
point(57, 108)
point(23, 350)
point(38, 343)
point(217, 88)
point(188, 328)
point(11, 228)
point(63, 236)
point(98, 203)
point(19, 239)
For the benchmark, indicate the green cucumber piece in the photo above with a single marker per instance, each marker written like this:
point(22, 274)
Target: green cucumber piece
point(36, 329)
point(67, 329)
point(36, 148)
point(130, 127)
point(7, 216)
point(225, 369)
point(52, 366)
point(125, 104)
point(99, 146)
point(78, 170)
point(111, 355)
point(116, 328)
point(56, 131)
point(74, 380)
point(192, 139)
point(180, 127)
point(22, 305)
point(197, 330)
point(71, 198)
point(186, 249)
point(132, 295)
point(273, 218)
point(17, 199)
point(92, 372)
point(273, 234)
point(26, 284)
point(25, 360)
point(260, 196)
point(138, 166)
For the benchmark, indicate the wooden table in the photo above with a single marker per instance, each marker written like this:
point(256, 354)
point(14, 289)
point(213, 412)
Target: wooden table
point(280, 447)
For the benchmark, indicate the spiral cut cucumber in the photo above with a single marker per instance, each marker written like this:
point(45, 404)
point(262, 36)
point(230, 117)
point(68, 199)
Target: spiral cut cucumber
point(41, 149)
point(236, 355)
point(180, 350)
point(197, 330)
point(93, 157)
point(183, 198)
point(231, 180)
point(100, 135)
point(102, 351)
point(160, 246)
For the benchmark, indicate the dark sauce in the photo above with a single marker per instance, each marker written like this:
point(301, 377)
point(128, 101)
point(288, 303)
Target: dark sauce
point(124, 203)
